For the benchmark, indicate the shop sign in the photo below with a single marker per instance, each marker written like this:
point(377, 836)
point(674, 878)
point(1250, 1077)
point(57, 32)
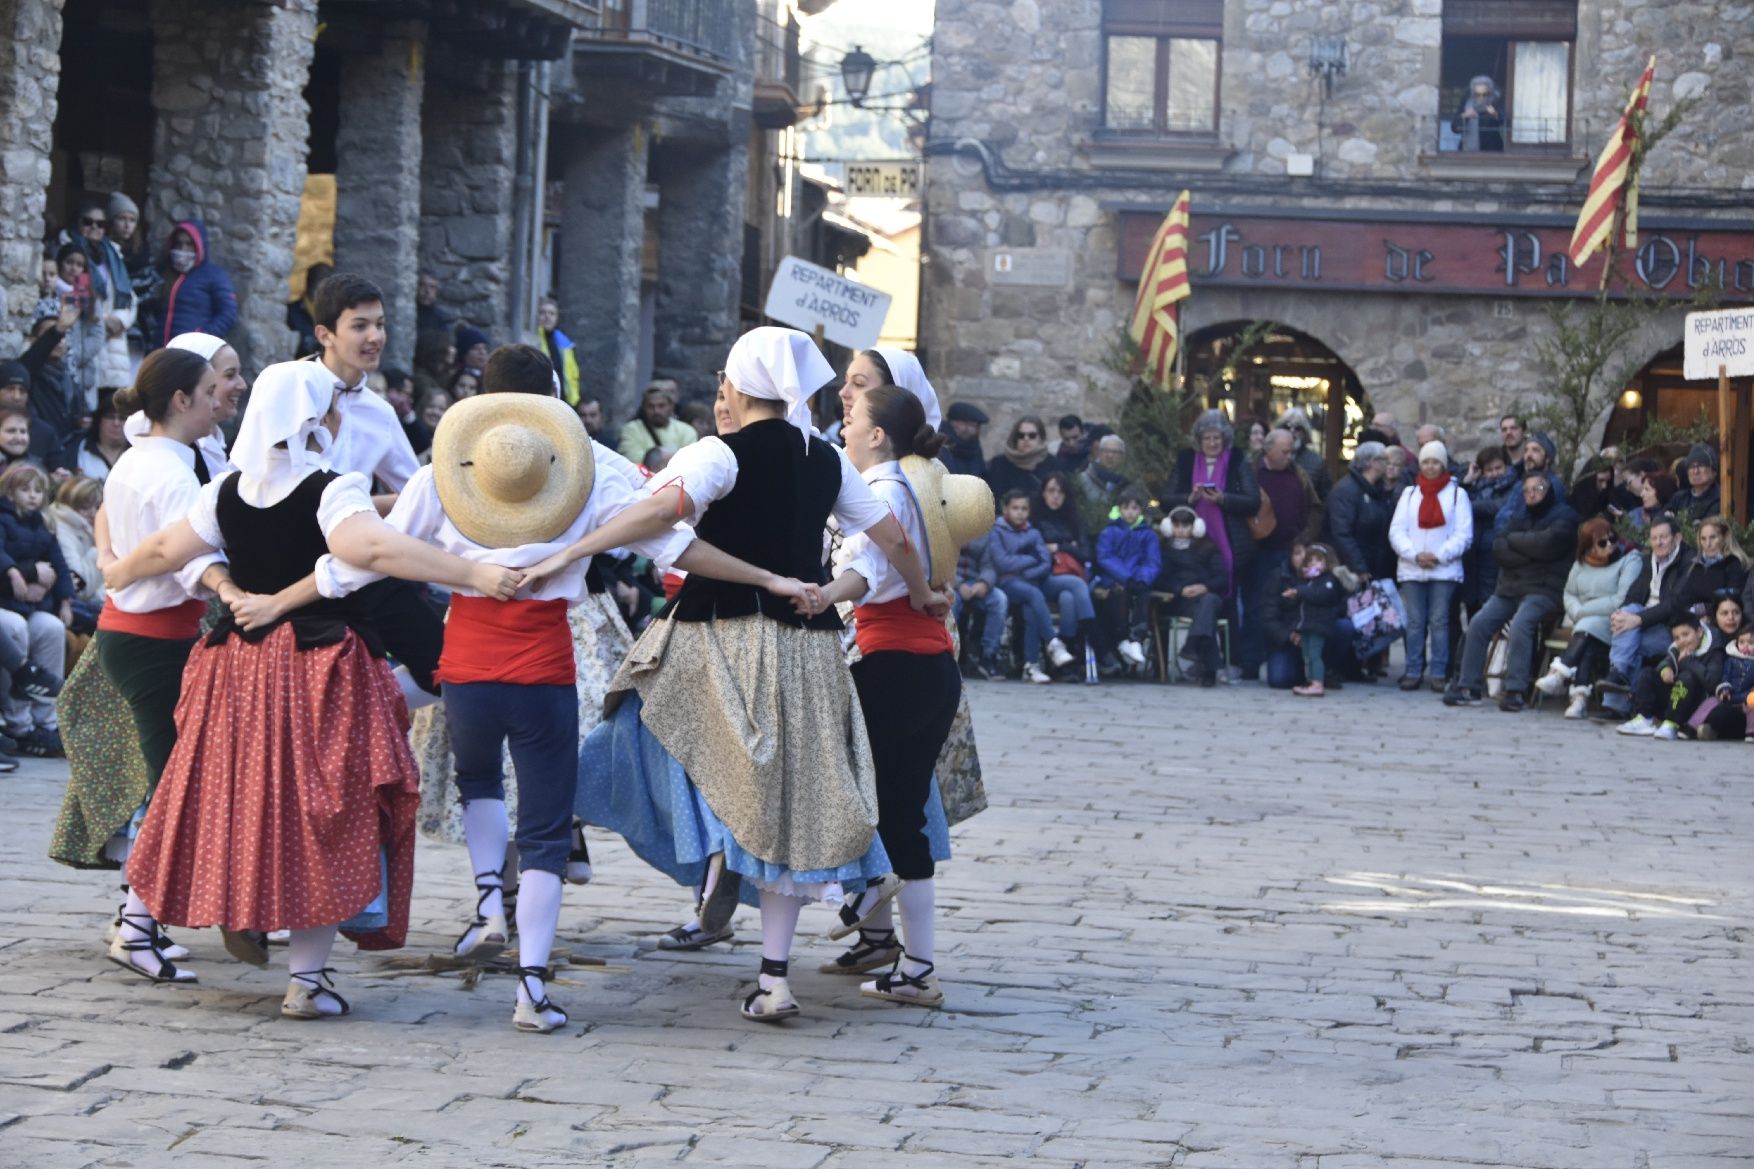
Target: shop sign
point(1432, 255)
point(1719, 340)
point(806, 296)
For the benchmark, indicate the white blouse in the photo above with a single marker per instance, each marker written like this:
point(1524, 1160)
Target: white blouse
point(707, 470)
point(859, 553)
point(212, 446)
point(151, 487)
point(419, 513)
point(372, 441)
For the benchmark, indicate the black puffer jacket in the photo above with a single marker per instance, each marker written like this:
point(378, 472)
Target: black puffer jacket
point(1241, 499)
point(1357, 525)
point(1320, 603)
point(1199, 563)
point(1536, 551)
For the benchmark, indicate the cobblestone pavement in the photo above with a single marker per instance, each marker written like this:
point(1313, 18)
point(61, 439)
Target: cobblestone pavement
point(1197, 928)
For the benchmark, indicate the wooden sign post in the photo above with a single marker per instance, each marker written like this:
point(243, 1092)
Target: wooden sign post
point(1723, 341)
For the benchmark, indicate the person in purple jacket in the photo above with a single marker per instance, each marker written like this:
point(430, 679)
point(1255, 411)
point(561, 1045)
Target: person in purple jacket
point(1128, 559)
point(1022, 562)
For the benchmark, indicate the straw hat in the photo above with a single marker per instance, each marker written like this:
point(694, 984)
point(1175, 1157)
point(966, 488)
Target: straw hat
point(957, 509)
point(512, 469)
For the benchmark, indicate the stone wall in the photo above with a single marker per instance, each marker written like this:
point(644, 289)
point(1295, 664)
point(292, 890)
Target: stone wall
point(468, 169)
point(378, 152)
point(30, 74)
point(230, 146)
point(602, 238)
point(1023, 78)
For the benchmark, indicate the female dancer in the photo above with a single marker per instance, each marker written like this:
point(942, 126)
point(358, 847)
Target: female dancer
point(288, 801)
point(146, 630)
point(906, 676)
point(737, 731)
point(507, 668)
point(108, 779)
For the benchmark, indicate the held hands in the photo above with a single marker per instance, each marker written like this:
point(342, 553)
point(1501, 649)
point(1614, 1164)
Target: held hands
point(34, 593)
point(1194, 590)
point(1425, 560)
point(252, 611)
point(537, 575)
point(933, 603)
point(501, 584)
point(1622, 621)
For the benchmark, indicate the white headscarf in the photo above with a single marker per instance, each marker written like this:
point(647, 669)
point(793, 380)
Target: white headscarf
point(203, 345)
point(905, 368)
point(287, 405)
point(780, 365)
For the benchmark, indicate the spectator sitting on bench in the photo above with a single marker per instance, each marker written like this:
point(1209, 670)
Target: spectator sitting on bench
point(977, 587)
point(1128, 559)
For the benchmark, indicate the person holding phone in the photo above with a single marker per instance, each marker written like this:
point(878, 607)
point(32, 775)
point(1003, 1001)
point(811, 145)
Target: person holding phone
point(1215, 480)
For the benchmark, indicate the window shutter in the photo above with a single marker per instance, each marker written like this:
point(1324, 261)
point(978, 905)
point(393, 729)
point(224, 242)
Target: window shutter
point(1195, 19)
point(1554, 20)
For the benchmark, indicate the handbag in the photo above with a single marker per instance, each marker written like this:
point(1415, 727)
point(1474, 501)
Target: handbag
point(1264, 521)
point(1378, 615)
point(1066, 564)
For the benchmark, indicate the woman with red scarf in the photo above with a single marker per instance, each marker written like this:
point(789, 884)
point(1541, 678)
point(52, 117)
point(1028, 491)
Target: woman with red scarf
point(1431, 530)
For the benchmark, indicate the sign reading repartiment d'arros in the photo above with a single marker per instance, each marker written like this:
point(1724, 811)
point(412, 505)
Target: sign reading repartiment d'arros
point(806, 296)
point(1723, 339)
point(1511, 256)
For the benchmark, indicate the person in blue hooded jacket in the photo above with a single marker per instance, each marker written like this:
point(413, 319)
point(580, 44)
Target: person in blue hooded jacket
point(199, 297)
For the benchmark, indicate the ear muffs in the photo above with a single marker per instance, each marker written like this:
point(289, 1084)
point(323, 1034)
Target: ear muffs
point(1167, 530)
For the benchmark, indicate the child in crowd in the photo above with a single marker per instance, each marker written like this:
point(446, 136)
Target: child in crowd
point(977, 588)
point(1128, 559)
point(85, 340)
point(1022, 564)
point(37, 608)
point(72, 518)
point(1666, 697)
point(1320, 600)
point(1725, 714)
point(1193, 573)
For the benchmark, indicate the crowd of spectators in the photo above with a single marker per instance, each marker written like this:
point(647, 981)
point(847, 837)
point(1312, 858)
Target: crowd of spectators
point(1624, 590)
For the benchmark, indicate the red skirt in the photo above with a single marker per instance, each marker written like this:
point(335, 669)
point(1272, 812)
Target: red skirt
point(291, 772)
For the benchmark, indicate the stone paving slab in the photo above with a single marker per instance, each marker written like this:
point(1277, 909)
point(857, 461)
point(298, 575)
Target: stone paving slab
point(1216, 929)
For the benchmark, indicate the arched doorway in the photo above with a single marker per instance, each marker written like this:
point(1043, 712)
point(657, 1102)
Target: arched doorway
point(1257, 370)
point(1660, 413)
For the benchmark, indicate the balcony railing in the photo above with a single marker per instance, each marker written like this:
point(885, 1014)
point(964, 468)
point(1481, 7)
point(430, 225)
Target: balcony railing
point(699, 27)
point(779, 57)
point(1518, 135)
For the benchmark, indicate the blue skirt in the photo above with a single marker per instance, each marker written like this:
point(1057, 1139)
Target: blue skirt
point(630, 785)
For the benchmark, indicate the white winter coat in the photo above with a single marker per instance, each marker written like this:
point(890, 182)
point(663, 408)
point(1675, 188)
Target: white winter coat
point(1447, 543)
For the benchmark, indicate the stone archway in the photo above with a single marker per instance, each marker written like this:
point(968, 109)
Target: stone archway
point(1256, 370)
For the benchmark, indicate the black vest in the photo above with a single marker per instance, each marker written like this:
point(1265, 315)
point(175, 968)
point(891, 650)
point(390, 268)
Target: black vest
point(773, 518)
point(272, 548)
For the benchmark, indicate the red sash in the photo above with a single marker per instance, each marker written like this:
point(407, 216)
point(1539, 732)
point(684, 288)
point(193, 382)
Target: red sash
point(527, 643)
point(177, 623)
point(897, 625)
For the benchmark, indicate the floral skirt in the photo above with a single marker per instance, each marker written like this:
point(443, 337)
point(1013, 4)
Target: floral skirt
point(290, 796)
point(106, 776)
point(600, 640)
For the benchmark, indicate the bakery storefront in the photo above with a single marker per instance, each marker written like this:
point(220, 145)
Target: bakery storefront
point(1435, 316)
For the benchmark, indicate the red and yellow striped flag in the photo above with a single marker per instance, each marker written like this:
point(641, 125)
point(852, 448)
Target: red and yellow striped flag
point(1162, 282)
point(1609, 185)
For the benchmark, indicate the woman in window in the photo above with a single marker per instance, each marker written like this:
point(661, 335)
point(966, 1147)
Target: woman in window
point(1480, 121)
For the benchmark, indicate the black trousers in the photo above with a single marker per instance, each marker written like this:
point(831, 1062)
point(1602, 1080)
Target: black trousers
point(148, 673)
point(410, 623)
point(909, 702)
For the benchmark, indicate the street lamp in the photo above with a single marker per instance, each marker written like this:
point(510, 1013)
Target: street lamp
point(856, 70)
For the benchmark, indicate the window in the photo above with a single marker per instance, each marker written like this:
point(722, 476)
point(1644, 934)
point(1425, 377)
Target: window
point(1162, 66)
point(1505, 82)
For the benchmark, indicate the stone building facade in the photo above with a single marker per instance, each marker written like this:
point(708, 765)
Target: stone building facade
point(448, 128)
point(1062, 132)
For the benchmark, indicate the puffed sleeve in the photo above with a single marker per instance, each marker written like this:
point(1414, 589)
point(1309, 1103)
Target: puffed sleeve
point(203, 515)
point(706, 471)
point(417, 513)
point(857, 506)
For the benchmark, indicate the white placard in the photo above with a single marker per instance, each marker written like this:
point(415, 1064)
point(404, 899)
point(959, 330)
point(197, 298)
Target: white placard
point(805, 296)
point(1724, 337)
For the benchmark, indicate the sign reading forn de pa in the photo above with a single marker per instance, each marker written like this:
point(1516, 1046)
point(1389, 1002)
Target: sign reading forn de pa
point(1722, 339)
point(809, 297)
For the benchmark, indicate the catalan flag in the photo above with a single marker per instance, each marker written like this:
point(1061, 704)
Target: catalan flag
point(1614, 185)
point(1162, 282)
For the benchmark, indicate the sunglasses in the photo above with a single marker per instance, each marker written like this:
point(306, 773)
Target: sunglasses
point(1606, 542)
point(92, 222)
point(1029, 434)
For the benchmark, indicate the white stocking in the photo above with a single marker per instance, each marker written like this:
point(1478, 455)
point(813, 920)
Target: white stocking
point(779, 921)
point(918, 901)
point(538, 916)
point(485, 830)
point(411, 691)
point(307, 954)
point(881, 919)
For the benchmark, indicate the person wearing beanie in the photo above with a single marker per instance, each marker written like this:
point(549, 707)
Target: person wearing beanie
point(962, 454)
point(1431, 529)
point(473, 347)
point(1702, 495)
